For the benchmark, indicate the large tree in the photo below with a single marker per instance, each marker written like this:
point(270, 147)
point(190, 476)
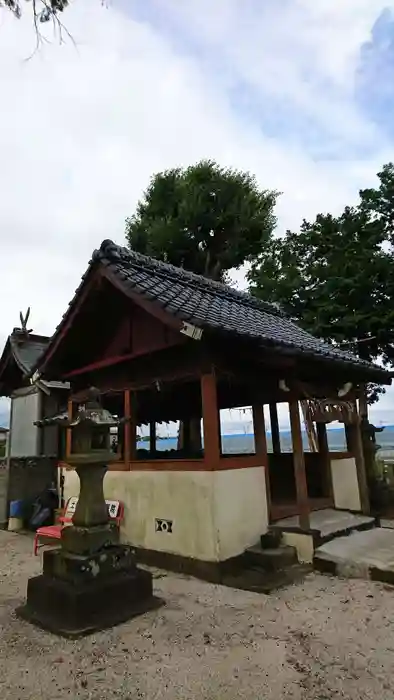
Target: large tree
point(205, 218)
point(336, 275)
point(43, 10)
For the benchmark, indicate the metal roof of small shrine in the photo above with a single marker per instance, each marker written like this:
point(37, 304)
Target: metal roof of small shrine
point(22, 351)
point(214, 306)
point(27, 350)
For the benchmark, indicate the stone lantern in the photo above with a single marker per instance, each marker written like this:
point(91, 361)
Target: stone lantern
point(91, 582)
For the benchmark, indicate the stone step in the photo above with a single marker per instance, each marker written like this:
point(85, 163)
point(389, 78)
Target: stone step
point(257, 580)
point(271, 539)
point(367, 554)
point(270, 559)
point(327, 524)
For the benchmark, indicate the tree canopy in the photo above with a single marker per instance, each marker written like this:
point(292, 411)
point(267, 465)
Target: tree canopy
point(336, 275)
point(205, 218)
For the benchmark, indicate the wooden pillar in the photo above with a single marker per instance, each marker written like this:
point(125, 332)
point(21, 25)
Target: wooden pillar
point(130, 428)
point(186, 444)
point(260, 438)
point(363, 402)
point(152, 436)
point(68, 431)
point(275, 432)
point(348, 435)
point(356, 447)
point(211, 422)
point(299, 465)
point(260, 441)
point(184, 435)
point(367, 442)
point(324, 453)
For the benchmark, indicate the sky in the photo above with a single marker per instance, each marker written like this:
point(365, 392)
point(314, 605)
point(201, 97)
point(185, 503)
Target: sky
point(299, 92)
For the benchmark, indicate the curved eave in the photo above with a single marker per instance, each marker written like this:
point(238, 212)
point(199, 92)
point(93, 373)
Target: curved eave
point(8, 365)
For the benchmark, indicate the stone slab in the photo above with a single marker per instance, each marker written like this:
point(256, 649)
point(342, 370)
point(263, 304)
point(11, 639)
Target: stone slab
point(386, 522)
point(368, 554)
point(328, 521)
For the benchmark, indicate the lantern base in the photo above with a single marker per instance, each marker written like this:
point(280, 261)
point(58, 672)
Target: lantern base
point(83, 540)
point(75, 610)
point(78, 568)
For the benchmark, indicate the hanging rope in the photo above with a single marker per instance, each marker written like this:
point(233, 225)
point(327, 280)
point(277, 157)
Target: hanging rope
point(329, 410)
point(309, 427)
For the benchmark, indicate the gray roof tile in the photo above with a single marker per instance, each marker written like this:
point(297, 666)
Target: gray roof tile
point(210, 304)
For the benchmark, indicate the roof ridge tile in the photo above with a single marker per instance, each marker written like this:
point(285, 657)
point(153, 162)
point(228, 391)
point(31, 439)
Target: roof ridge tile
point(111, 252)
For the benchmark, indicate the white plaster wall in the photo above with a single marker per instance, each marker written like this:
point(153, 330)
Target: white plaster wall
point(24, 434)
point(186, 498)
point(345, 484)
point(215, 515)
point(240, 509)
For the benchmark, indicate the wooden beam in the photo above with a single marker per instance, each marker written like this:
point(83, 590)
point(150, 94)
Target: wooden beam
point(102, 364)
point(241, 359)
point(299, 465)
point(172, 364)
point(211, 422)
point(275, 432)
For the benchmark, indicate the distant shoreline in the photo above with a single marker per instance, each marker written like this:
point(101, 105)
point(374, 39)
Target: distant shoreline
point(286, 431)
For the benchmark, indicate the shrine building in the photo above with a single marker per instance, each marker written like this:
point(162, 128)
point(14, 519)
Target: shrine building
point(163, 344)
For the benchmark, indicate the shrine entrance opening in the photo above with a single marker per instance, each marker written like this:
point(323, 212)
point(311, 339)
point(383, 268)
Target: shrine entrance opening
point(282, 449)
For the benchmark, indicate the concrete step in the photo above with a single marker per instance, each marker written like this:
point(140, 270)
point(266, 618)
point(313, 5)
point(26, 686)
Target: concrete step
point(270, 559)
point(260, 581)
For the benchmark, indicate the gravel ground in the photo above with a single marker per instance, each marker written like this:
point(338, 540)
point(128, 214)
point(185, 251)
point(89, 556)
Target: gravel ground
point(325, 638)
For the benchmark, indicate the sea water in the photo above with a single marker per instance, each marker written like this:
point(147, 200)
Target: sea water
point(244, 444)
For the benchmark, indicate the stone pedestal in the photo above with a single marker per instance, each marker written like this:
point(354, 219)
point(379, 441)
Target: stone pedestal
point(92, 581)
point(80, 594)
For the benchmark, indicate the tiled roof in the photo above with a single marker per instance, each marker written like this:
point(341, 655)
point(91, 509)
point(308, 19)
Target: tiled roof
point(213, 305)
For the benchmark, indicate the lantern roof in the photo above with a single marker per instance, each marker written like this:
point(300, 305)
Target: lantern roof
point(91, 413)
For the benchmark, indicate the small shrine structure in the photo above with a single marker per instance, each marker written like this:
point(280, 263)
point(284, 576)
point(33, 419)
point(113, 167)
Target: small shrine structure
point(32, 454)
point(163, 344)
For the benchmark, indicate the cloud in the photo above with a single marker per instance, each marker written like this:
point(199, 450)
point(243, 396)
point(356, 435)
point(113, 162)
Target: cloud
point(150, 85)
point(375, 71)
point(290, 64)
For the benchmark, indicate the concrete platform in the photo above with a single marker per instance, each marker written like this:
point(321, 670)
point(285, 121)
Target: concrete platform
point(329, 522)
point(368, 555)
point(386, 522)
